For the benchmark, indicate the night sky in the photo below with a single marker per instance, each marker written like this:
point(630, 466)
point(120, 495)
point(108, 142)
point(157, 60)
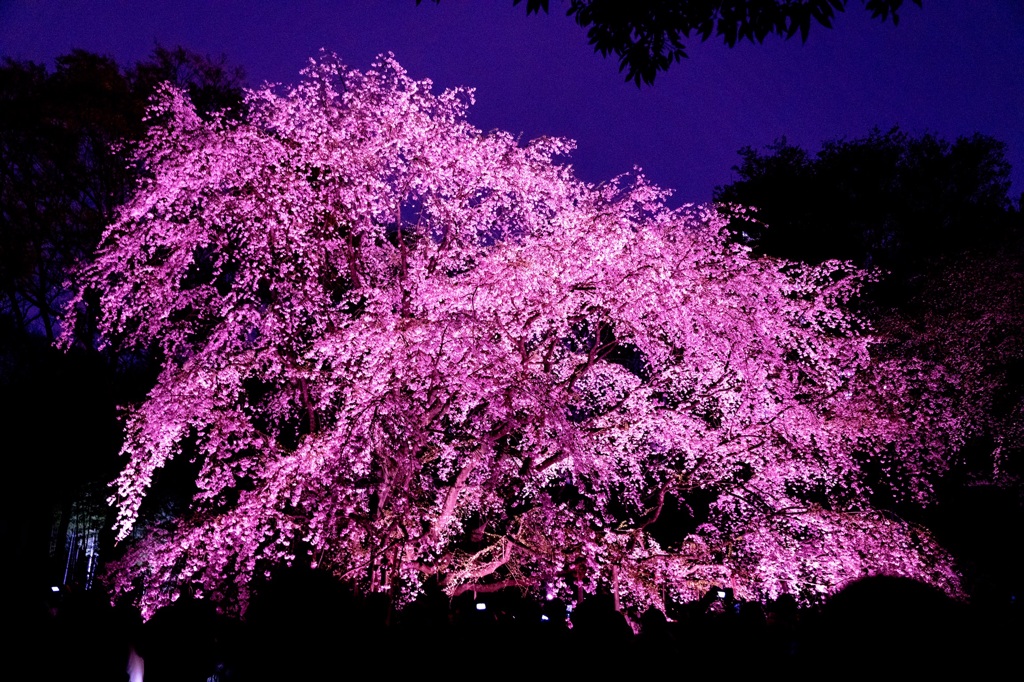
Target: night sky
point(953, 68)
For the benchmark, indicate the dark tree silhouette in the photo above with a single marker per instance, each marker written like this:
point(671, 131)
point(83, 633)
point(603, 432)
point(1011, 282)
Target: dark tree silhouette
point(65, 140)
point(211, 83)
point(888, 199)
point(60, 176)
point(647, 35)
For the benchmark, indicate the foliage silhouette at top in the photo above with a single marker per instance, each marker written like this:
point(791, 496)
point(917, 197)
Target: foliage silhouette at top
point(404, 350)
point(647, 35)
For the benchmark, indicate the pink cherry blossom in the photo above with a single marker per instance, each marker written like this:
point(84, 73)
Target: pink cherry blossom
point(403, 348)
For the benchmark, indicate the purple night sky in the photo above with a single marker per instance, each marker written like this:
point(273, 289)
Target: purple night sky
point(952, 68)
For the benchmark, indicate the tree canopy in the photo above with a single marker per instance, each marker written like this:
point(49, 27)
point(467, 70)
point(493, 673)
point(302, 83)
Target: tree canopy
point(400, 349)
point(647, 35)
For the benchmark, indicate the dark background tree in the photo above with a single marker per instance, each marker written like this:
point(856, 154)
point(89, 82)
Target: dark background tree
point(60, 177)
point(647, 35)
point(65, 137)
point(64, 142)
point(889, 199)
point(212, 84)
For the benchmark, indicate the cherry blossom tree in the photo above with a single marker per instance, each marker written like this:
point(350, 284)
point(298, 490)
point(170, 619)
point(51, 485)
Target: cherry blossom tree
point(401, 349)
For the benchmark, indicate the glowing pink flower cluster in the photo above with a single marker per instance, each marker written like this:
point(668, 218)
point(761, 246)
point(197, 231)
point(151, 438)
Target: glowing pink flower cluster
point(400, 347)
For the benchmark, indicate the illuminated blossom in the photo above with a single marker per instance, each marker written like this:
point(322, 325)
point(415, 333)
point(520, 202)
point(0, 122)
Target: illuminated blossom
point(399, 348)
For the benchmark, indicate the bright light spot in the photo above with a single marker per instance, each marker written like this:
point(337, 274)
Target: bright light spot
point(481, 606)
point(54, 588)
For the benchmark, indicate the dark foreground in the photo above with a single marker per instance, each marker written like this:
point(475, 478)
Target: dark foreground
point(314, 631)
